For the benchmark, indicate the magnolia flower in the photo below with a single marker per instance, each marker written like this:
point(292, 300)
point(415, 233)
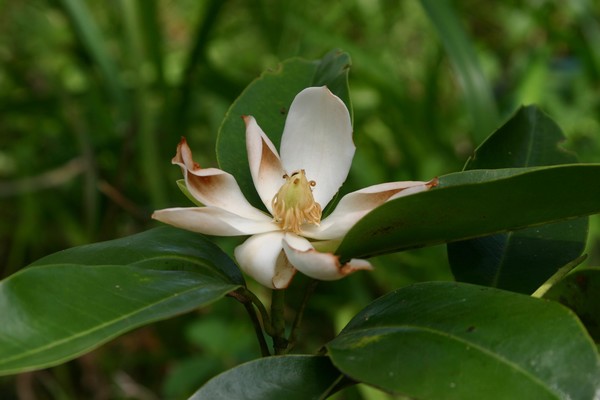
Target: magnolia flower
point(294, 185)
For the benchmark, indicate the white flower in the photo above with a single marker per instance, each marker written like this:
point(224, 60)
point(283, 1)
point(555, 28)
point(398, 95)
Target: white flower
point(316, 153)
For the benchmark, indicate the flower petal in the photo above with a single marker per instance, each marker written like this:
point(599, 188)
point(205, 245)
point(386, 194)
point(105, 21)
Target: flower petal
point(318, 138)
point(262, 257)
point(214, 221)
point(212, 186)
point(356, 205)
point(416, 188)
point(322, 266)
point(265, 165)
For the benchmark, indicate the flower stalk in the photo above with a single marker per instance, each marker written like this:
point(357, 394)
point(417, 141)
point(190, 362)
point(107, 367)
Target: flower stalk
point(310, 288)
point(280, 343)
point(252, 303)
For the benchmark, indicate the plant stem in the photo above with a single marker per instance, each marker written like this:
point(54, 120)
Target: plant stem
point(243, 295)
point(264, 348)
point(310, 288)
point(249, 300)
point(280, 343)
point(266, 319)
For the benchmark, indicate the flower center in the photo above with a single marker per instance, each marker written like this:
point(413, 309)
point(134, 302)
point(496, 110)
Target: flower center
point(294, 204)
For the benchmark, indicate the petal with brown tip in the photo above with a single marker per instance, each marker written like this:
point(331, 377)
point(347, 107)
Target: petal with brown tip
point(322, 266)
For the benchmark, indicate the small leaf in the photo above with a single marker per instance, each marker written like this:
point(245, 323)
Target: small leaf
point(273, 378)
point(580, 291)
point(520, 261)
point(70, 302)
point(476, 203)
point(446, 340)
point(268, 99)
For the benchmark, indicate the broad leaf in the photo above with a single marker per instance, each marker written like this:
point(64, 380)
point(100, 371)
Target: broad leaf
point(476, 203)
point(520, 261)
point(580, 291)
point(268, 99)
point(529, 138)
point(159, 248)
point(445, 340)
point(282, 377)
point(71, 302)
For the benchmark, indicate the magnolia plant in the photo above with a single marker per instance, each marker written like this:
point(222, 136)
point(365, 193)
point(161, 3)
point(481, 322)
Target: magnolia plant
point(520, 321)
point(316, 143)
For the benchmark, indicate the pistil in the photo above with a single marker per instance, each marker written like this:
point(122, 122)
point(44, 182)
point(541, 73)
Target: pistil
point(294, 204)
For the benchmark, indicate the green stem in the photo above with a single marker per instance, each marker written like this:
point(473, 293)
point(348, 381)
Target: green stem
point(249, 300)
point(251, 297)
point(310, 288)
point(558, 275)
point(264, 348)
point(280, 343)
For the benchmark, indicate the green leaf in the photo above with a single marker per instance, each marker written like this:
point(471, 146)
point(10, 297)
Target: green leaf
point(282, 377)
point(580, 291)
point(446, 340)
point(268, 99)
point(520, 261)
point(478, 94)
point(159, 248)
point(89, 35)
point(71, 302)
point(529, 138)
point(476, 203)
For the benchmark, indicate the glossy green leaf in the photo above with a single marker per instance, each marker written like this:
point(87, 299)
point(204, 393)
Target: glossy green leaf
point(520, 261)
point(476, 203)
point(529, 138)
point(268, 99)
point(291, 377)
point(446, 340)
point(71, 302)
point(580, 291)
point(159, 248)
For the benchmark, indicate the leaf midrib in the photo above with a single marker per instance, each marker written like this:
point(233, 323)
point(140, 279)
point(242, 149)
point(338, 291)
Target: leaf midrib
point(98, 328)
point(480, 348)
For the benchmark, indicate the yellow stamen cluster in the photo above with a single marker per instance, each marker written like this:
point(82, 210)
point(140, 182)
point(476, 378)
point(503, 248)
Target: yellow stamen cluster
point(294, 204)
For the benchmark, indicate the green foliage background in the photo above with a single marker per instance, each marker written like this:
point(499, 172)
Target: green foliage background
point(94, 97)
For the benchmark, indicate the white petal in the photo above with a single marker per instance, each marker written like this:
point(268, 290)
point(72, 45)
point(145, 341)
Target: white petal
point(214, 221)
point(322, 266)
point(262, 257)
point(318, 138)
point(212, 186)
point(356, 205)
point(416, 189)
point(265, 165)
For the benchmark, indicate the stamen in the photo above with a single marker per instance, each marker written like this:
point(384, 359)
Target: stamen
point(294, 204)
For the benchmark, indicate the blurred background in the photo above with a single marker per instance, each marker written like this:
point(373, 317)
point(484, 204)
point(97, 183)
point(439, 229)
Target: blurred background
point(94, 97)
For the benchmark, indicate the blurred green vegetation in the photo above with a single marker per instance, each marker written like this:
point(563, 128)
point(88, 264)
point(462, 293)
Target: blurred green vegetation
point(94, 97)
